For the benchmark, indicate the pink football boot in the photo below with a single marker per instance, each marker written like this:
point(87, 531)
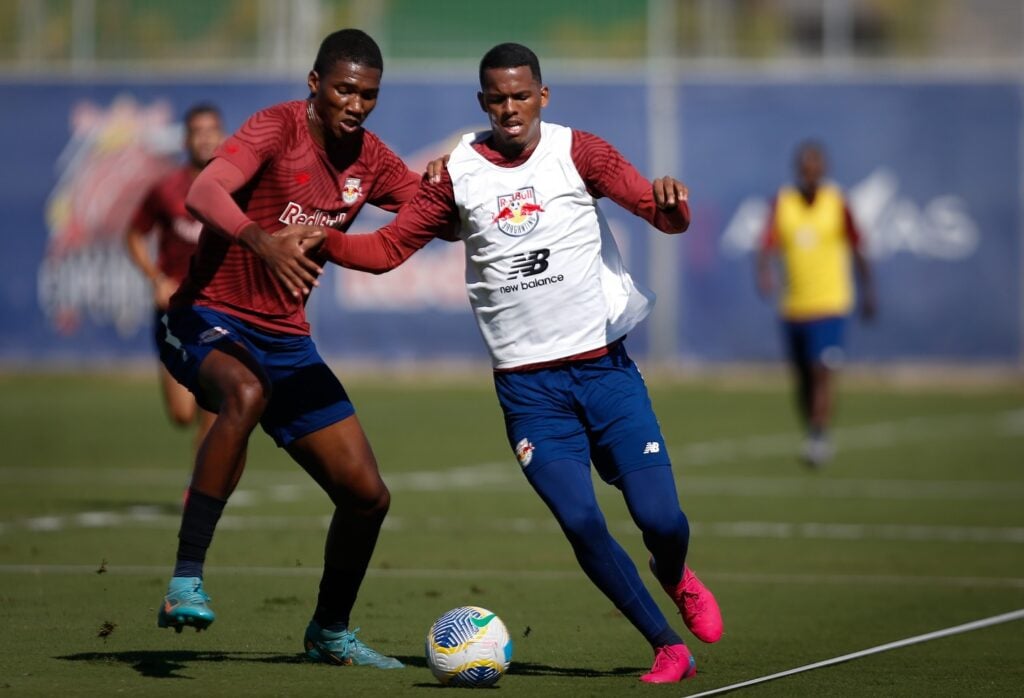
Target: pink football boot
point(672, 663)
point(697, 605)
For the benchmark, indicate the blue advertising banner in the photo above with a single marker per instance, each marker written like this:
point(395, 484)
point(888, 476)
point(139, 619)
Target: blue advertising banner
point(932, 176)
point(932, 170)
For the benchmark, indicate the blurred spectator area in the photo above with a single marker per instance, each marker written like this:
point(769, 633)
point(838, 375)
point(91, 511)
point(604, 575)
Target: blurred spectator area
point(279, 36)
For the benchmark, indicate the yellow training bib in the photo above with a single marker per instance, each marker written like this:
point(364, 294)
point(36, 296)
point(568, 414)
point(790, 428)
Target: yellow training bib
point(815, 252)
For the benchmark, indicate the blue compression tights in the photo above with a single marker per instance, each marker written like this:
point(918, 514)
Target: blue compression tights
point(566, 487)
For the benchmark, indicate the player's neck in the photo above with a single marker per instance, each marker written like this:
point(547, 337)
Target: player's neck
point(341, 152)
point(510, 153)
point(808, 193)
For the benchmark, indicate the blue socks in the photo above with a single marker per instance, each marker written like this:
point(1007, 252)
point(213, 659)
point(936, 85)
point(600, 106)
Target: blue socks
point(651, 496)
point(197, 525)
point(568, 491)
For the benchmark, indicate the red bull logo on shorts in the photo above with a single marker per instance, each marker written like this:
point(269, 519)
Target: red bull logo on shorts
point(518, 212)
point(524, 452)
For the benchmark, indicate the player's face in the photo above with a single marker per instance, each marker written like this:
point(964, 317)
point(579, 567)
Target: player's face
point(512, 99)
point(203, 133)
point(344, 97)
point(810, 169)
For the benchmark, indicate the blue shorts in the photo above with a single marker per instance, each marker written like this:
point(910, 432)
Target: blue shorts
point(816, 341)
point(305, 395)
point(589, 411)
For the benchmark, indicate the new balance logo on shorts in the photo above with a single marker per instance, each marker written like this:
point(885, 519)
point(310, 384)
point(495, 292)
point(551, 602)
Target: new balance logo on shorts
point(212, 335)
point(652, 447)
point(529, 264)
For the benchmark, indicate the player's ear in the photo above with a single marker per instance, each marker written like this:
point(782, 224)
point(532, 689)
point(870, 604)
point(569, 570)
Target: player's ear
point(313, 81)
point(480, 101)
point(544, 94)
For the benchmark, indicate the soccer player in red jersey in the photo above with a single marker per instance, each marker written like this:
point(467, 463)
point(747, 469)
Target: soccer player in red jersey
point(163, 212)
point(554, 302)
point(236, 332)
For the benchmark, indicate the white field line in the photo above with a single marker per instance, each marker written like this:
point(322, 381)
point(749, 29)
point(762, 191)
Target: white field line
point(917, 639)
point(878, 435)
point(150, 517)
point(507, 478)
point(757, 578)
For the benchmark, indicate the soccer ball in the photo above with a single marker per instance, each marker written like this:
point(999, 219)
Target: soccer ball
point(468, 647)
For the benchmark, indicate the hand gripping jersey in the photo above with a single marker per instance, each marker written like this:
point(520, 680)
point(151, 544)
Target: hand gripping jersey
point(543, 273)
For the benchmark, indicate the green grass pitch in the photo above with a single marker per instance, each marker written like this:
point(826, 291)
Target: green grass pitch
point(918, 525)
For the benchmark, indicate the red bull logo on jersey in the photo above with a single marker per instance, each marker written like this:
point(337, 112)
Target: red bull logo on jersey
point(352, 190)
point(294, 214)
point(518, 212)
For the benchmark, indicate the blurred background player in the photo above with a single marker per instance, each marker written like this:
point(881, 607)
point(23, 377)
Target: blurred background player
point(812, 232)
point(163, 212)
point(236, 333)
point(554, 303)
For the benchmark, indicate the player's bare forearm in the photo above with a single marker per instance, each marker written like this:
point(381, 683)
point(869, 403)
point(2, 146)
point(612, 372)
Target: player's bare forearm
point(869, 301)
point(763, 271)
point(137, 251)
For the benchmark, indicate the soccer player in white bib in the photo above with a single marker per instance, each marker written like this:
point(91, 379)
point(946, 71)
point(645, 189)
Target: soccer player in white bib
point(554, 302)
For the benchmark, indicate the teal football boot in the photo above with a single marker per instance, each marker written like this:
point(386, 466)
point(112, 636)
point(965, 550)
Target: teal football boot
point(343, 648)
point(185, 604)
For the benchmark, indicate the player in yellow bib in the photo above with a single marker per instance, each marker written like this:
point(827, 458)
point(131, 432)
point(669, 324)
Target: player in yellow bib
point(814, 236)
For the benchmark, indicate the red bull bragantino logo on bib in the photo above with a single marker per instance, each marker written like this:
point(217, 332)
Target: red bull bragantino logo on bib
point(518, 212)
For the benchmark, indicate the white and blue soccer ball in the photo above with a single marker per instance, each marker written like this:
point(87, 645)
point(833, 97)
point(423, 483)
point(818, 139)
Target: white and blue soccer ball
point(468, 647)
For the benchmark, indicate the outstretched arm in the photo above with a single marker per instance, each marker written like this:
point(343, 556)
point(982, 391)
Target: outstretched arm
point(663, 203)
point(430, 214)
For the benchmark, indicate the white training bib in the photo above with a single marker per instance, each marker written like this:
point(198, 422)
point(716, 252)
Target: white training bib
point(543, 273)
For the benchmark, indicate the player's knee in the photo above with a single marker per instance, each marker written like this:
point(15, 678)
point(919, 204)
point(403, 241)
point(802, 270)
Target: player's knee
point(371, 501)
point(245, 400)
point(664, 525)
point(182, 413)
point(582, 524)
point(381, 503)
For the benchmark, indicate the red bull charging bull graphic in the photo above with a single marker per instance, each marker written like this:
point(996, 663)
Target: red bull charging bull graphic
point(115, 154)
point(518, 212)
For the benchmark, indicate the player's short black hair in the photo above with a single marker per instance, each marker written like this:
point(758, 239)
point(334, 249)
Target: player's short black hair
point(352, 45)
point(807, 146)
point(201, 108)
point(510, 56)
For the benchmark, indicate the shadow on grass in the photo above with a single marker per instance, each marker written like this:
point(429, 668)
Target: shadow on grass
point(534, 669)
point(163, 664)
